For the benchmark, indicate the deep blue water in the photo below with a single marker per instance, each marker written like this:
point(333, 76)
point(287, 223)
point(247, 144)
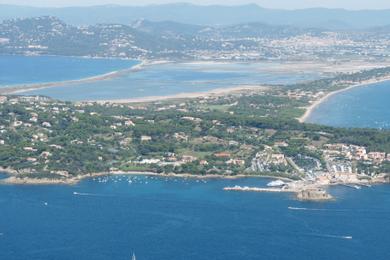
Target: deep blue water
point(16, 70)
point(188, 219)
point(174, 78)
point(366, 106)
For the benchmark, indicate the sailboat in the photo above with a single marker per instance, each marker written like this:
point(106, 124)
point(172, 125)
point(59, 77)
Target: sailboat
point(133, 257)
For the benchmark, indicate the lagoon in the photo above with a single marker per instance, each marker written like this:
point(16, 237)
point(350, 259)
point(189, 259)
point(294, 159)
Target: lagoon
point(153, 80)
point(174, 78)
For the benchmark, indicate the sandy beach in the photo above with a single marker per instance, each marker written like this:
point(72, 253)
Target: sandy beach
point(210, 93)
point(316, 103)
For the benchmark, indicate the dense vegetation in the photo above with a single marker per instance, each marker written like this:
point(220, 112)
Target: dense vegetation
point(253, 132)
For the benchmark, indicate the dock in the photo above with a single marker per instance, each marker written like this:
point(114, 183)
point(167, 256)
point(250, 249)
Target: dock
point(256, 189)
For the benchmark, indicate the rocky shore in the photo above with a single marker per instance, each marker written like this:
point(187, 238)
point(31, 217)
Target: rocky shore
point(314, 194)
point(304, 193)
point(311, 190)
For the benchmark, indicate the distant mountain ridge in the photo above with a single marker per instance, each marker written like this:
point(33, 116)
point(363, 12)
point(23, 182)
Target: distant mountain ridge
point(144, 39)
point(206, 15)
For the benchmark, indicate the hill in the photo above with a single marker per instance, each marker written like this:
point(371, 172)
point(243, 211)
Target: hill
point(206, 15)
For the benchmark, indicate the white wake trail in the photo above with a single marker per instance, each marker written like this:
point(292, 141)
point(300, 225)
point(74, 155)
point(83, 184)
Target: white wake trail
point(333, 236)
point(308, 209)
point(88, 194)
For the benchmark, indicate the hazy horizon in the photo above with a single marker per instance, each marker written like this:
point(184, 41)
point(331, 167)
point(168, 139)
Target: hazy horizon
point(277, 4)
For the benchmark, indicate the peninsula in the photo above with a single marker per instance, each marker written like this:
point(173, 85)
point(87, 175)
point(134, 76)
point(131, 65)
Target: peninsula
point(245, 132)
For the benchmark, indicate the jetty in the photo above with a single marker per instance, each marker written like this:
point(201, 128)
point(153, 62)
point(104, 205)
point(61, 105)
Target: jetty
point(255, 189)
point(304, 192)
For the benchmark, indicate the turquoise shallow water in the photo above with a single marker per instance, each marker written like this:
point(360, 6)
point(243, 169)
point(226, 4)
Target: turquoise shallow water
point(366, 106)
point(189, 219)
point(16, 70)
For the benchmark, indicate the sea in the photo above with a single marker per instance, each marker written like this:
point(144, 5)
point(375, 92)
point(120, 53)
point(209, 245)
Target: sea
point(173, 218)
point(365, 106)
point(154, 80)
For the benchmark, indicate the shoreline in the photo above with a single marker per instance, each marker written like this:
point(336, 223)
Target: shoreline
point(310, 109)
point(213, 92)
point(12, 178)
point(305, 192)
point(17, 89)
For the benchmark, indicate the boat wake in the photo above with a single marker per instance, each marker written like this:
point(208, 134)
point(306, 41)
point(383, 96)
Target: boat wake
point(316, 209)
point(334, 236)
point(87, 194)
point(308, 209)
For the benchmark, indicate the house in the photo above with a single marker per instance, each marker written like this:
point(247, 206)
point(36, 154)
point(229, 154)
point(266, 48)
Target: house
point(146, 138)
point(34, 119)
point(193, 119)
point(129, 123)
point(236, 162)
point(29, 149)
point(361, 153)
point(234, 143)
point(278, 158)
point(204, 162)
point(46, 124)
point(222, 155)
point(45, 155)
point(377, 156)
point(149, 161)
point(188, 158)
point(55, 146)
point(181, 137)
point(281, 144)
point(17, 123)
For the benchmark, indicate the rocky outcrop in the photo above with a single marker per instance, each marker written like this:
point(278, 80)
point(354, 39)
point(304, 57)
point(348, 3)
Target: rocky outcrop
point(314, 194)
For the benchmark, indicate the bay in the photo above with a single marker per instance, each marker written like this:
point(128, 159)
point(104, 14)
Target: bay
point(159, 218)
point(363, 107)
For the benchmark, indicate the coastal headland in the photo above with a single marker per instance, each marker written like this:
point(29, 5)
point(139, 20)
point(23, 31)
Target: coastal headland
point(226, 133)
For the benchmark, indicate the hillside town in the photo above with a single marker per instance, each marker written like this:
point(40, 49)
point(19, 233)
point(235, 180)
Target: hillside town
point(244, 42)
